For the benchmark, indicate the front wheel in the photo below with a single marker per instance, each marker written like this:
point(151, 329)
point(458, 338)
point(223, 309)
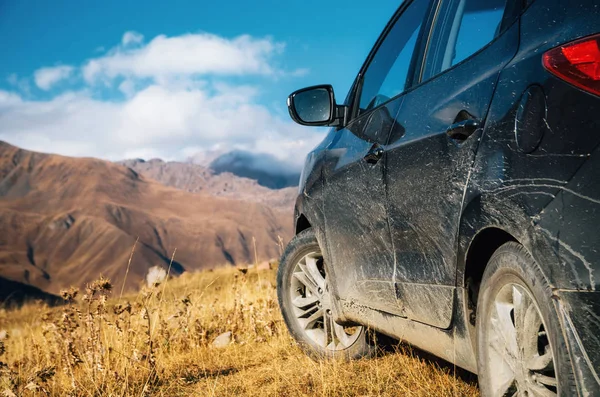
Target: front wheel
point(305, 302)
point(521, 350)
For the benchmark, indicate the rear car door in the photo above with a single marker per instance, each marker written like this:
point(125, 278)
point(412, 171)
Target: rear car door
point(356, 225)
point(428, 167)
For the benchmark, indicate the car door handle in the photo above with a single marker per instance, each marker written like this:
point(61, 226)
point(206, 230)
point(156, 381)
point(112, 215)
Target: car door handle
point(374, 154)
point(463, 129)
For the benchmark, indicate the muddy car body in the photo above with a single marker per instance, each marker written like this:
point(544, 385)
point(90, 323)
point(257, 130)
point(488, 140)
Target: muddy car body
point(411, 194)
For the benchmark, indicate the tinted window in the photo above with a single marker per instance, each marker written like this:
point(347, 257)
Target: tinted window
point(388, 71)
point(463, 27)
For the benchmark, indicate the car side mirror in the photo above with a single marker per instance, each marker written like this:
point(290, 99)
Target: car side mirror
point(313, 106)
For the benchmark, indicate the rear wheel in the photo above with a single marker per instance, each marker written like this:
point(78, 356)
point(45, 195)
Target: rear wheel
point(305, 301)
point(521, 351)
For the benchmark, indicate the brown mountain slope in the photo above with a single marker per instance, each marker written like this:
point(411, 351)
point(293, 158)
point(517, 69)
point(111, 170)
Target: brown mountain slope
point(64, 221)
point(196, 178)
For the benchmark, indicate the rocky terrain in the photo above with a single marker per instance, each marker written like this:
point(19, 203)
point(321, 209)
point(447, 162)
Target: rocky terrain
point(196, 178)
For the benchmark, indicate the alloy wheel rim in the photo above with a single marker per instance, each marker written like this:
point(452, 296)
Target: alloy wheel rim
point(520, 360)
point(311, 305)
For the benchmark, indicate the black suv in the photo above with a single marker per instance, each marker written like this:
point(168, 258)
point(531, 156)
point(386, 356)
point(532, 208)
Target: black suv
point(455, 202)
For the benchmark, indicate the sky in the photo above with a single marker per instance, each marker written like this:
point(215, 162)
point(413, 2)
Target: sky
point(174, 80)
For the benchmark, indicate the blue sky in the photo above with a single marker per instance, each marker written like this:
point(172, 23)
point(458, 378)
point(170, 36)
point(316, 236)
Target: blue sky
point(117, 79)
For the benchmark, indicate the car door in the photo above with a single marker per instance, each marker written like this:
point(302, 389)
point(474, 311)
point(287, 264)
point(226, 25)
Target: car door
point(355, 208)
point(428, 167)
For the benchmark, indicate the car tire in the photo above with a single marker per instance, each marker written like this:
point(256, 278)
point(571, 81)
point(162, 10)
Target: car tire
point(520, 347)
point(305, 302)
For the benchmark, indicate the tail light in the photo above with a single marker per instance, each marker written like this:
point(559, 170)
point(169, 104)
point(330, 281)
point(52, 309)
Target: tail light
point(577, 63)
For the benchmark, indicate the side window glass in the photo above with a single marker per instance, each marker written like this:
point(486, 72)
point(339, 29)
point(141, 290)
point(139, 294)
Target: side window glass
point(462, 28)
point(387, 73)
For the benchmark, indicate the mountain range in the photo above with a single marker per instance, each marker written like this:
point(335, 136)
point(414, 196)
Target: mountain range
point(65, 221)
point(196, 178)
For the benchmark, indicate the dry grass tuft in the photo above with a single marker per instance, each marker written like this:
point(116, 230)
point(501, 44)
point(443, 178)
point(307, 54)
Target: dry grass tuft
point(159, 343)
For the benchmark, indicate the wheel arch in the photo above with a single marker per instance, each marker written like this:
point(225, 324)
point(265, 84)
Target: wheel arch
point(486, 225)
point(480, 250)
point(302, 223)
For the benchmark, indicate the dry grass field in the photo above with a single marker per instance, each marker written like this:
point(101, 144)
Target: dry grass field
point(160, 343)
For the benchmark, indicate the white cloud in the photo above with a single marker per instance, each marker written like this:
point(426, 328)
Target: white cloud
point(132, 37)
point(45, 78)
point(20, 83)
point(9, 99)
point(189, 55)
point(300, 72)
point(170, 123)
point(127, 87)
point(174, 106)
